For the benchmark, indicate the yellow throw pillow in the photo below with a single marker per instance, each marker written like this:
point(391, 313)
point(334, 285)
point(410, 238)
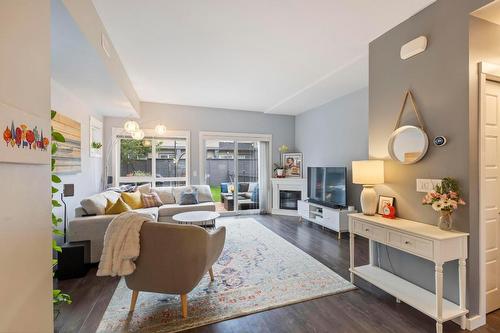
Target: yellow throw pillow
point(133, 199)
point(117, 208)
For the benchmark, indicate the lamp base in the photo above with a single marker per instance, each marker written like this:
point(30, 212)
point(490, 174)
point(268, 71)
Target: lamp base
point(368, 200)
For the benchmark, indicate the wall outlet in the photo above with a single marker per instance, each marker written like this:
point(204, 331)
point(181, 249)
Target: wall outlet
point(427, 185)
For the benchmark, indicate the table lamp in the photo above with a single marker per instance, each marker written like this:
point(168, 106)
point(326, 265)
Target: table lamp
point(368, 173)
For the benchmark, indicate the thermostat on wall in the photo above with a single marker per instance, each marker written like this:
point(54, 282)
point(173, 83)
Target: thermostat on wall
point(439, 141)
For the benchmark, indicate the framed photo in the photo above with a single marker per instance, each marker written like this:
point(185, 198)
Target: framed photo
point(382, 202)
point(292, 163)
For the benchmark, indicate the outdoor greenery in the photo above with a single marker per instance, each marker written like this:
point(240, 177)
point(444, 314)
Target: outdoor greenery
point(57, 295)
point(96, 145)
point(215, 193)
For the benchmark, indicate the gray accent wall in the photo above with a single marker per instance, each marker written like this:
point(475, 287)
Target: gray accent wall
point(335, 134)
point(439, 79)
point(197, 119)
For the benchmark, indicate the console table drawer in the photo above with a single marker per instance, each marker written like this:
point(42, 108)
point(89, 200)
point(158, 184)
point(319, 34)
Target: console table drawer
point(420, 246)
point(370, 231)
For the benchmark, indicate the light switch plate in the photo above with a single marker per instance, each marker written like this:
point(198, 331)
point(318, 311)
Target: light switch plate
point(427, 185)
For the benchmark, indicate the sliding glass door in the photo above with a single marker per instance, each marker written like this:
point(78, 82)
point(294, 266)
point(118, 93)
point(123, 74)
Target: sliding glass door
point(232, 167)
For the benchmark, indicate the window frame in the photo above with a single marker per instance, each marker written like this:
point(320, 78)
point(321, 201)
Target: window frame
point(118, 134)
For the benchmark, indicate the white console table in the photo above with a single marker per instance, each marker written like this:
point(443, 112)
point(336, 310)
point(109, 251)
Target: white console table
point(421, 240)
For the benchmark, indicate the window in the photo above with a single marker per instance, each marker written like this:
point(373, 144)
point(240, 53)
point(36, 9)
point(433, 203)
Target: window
point(158, 161)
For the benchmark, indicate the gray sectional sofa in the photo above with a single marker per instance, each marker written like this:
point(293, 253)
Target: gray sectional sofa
point(90, 222)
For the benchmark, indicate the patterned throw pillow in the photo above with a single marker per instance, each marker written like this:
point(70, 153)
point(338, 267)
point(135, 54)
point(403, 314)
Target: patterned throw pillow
point(151, 200)
point(117, 208)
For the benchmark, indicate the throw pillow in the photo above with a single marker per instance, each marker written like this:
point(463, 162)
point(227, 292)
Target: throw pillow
point(189, 197)
point(243, 187)
point(95, 204)
point(133, 199)
point(165, 194)
point(204, 193)
point(151, 200)
point(177, 191)
point(117, 208)
point(144, 189)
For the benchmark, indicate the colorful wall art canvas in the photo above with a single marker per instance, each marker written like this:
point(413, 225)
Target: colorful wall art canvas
point(25, 137)
point(68, 155)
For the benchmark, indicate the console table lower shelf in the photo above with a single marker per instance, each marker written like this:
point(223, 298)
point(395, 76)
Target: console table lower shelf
point(419, 298)
point(421, 240)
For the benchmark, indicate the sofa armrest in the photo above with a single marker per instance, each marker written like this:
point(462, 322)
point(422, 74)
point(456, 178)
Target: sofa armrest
point(90, 228)
point(79, 211)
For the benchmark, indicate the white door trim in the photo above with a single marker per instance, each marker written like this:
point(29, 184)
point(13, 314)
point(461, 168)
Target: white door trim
point(487, 71)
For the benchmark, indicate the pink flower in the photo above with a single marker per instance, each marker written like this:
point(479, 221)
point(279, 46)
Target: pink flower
point(444, 196)
point(453, 194)
point(461, 202)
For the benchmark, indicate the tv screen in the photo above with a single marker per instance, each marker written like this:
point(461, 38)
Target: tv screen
point(327, 186)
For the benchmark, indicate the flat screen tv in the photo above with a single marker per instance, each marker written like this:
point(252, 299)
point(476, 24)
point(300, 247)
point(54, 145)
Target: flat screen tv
point(327, 186)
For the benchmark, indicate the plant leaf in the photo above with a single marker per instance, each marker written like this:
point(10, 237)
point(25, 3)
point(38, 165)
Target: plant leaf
point(52, 114)
point(55, 246)
point(54, 190)
point(58, 137)
point(55, 203)
point(56, 179)
point(57, 232)
point(54, 148)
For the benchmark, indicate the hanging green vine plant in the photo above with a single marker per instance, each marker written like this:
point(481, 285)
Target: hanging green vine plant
point(57, 295)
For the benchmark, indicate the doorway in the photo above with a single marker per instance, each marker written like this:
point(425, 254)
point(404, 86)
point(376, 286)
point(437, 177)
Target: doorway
point(489, 197)
point(237, 168)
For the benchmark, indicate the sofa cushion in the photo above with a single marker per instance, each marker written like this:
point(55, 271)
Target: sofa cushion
point(151, 200)
point(133, 199)
point(165, 194)
point(189, 197)
point(177, 192)
point(144, 189)
point(204, 193)
point(96, 204)
point(172, 209)
point(153, 211)
point(117, 208)
point(252, 186)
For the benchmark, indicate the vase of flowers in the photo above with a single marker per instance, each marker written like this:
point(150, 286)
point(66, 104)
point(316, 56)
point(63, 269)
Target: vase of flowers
point(445, 199)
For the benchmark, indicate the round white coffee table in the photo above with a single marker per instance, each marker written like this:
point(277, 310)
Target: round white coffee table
point(201, 218)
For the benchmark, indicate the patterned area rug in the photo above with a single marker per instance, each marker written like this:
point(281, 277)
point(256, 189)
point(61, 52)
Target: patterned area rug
point(258, 270)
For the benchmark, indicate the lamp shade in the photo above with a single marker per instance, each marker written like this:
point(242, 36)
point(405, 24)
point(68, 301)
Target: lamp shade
point(368, 172)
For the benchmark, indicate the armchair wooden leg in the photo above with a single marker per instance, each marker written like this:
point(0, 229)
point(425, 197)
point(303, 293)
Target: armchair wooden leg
point(133, 300)
point(184, 302)
point(211, 272)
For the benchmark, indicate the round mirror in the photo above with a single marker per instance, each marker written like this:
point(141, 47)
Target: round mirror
point(408, 144)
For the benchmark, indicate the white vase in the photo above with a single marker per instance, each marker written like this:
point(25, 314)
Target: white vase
point(368, 200)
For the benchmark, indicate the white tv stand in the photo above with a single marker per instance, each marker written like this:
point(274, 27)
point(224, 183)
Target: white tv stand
point(333, 219)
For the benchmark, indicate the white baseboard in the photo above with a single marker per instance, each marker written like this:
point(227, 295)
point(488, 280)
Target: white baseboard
point(473, 322)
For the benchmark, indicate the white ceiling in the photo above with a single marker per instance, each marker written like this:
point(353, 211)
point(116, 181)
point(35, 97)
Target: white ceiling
point(77, 66)
point(270, 56)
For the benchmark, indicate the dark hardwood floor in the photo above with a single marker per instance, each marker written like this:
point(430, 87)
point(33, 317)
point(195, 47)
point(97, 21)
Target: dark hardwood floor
point(366, 309)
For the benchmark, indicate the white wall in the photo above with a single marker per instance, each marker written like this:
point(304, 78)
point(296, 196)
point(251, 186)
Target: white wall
point(87, 182)
point(25, 250)
point(196, 119)
point(336, 134)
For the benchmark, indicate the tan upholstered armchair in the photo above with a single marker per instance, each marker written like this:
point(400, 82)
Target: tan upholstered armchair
point(173, 259)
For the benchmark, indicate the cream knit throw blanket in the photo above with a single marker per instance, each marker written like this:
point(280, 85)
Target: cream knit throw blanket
point(122, 244)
